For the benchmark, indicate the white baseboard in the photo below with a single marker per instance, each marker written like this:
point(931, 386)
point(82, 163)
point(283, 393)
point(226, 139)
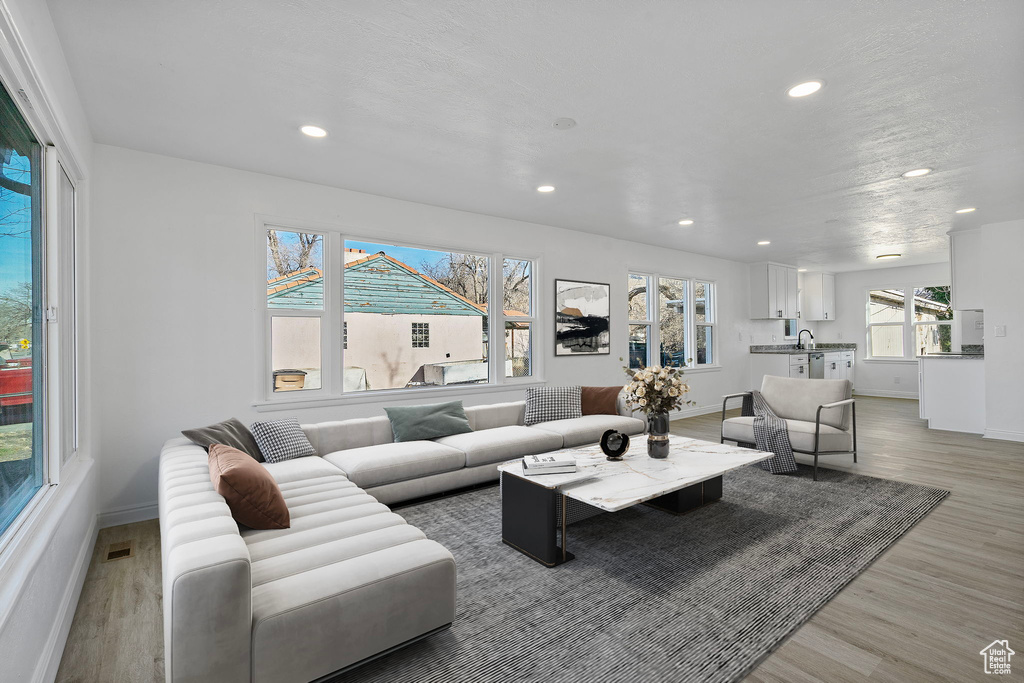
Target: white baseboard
point(882, 393)
point(1003, 435)
point(128, 515)
point(49, 663)
point(694, 411)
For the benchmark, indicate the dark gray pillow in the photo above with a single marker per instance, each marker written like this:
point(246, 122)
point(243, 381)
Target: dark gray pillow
point(417, 423)
point(230, 433)
point(544, 404)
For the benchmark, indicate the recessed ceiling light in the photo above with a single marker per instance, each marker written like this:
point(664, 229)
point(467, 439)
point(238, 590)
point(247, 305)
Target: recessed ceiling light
point(564, 123)
point(686, 221)
point(546, 188)
point(801, 270)
point(763, 242)
point(805, 89)
point(888, 256)
point(314, 131)
point(966, 210)
point(917, 173)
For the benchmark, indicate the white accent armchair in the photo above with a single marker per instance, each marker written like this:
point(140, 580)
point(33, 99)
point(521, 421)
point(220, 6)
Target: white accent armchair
point(820, 416)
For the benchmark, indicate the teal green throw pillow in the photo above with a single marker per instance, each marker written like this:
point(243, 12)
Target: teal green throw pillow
point(417, 423)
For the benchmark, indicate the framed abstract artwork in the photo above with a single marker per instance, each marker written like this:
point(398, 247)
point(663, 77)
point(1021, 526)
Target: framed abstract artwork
point(582, 316)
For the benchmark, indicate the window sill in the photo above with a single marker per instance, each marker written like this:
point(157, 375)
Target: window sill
point(388, 395)
point(889, 360)
point(702, 368)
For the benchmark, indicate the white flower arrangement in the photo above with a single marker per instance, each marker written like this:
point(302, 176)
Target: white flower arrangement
point(656, 389)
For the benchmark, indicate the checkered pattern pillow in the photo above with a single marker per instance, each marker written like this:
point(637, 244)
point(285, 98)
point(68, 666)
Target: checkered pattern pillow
point(281, 440)
point(552, 403)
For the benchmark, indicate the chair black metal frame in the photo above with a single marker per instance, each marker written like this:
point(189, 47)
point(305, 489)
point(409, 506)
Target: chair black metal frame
point(817, 428)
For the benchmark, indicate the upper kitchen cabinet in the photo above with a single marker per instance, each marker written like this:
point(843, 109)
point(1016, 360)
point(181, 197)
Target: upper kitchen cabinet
point(966, 262)
point(819, 296)
point(773, 291)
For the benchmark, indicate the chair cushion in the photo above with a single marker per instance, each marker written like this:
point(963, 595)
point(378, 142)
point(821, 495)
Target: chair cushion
point(502, 443)
point(251, 493)
point(798, 399)
point(390, 462)
point(590, 428)
point(801, 434)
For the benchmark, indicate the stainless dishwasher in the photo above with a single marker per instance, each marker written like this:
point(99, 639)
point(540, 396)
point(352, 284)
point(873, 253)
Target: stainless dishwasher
point(817, 365)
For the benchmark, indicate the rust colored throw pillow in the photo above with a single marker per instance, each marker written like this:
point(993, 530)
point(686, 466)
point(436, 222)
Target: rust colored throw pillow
point(599, 400)
point(250, 492)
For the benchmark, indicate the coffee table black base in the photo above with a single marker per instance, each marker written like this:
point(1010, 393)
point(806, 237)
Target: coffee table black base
point(690, 498)
point(530, 522)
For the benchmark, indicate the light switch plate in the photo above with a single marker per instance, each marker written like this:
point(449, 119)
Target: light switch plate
point(1000, 330)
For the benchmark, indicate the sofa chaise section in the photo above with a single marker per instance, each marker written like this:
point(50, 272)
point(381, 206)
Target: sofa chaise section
point(348, 580)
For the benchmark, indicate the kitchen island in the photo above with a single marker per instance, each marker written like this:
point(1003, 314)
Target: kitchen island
point(951, 391)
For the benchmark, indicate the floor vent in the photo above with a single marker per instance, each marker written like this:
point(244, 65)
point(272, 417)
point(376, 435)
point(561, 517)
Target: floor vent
point(120, 551)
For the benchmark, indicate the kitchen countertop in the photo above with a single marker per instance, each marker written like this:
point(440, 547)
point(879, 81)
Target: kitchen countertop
point(792, 349)
point(955, 356)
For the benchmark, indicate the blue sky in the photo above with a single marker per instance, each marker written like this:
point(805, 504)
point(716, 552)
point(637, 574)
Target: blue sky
point(15, 252)
point(413, 257)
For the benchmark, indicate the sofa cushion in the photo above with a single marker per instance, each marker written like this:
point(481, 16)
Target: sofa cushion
point(801, 434)
point(417, 423)
point(590, 428)
point(496, 415)
point(391, 462)
point(230, 433)
point(551, 403)
point(338, 435)
point(250, 492)
point(281, 440)
point(600, 400)
point(502, 443)
point(798, 399)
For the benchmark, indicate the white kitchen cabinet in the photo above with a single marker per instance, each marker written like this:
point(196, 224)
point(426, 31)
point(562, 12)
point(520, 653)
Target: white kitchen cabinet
point(967, 265)
point(952, 393)
point(819, 296)
point(839, 365)
point(773, 291)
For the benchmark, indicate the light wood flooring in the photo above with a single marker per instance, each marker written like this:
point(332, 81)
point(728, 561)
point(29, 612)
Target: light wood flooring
point(922, 612)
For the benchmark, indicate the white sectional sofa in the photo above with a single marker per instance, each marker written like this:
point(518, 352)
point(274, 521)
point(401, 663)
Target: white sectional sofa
point(349, 579)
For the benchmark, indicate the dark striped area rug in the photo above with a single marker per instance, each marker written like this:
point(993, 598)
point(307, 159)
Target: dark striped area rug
point(652, 596)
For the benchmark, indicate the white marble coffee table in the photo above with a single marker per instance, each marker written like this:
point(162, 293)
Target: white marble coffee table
point(691, 476)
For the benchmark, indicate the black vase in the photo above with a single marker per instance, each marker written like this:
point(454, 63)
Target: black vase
point(657, 435)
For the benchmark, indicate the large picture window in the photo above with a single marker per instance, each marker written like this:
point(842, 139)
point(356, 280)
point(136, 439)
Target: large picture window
point(21, 339)
point(907, 322)
point(671, 321)
point(402, 317)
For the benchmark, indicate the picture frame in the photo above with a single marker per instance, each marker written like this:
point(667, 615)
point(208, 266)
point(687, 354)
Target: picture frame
point(582, 318)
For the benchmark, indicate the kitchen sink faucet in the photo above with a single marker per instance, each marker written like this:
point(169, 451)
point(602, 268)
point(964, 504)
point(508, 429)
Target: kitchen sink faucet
point(800, 336)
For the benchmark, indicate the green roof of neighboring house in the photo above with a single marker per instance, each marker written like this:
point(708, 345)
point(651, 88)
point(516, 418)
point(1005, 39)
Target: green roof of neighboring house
point(375, 284)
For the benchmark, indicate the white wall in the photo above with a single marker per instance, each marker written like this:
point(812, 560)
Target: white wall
point(175, 299)
point(876, 378)
point(1003, 279)
point(42, 570)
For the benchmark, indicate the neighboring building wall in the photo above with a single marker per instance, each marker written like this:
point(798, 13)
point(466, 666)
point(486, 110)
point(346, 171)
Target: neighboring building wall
point(382, 344)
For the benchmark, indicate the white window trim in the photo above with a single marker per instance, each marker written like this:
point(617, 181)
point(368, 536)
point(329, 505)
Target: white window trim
point(332, 354)
point(19, 75)
point(909, 325)
point(653, 322)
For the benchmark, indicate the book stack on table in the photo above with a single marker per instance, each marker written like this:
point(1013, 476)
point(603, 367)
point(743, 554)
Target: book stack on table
point(551, 463)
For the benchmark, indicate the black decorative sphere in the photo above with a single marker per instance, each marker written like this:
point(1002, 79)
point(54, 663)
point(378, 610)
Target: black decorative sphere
point(614, 444)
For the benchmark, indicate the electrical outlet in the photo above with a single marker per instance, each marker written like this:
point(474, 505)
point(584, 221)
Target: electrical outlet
point(839, 335)
point(895, 380)
point(773, 336)
point(741, 336)
point(1000, 330)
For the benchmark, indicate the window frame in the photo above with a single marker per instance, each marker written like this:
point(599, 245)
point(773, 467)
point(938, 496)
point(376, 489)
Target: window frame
point(653, 321)
point(58, 407)
point(331, 391)
point(498, 294)
point(908, 325)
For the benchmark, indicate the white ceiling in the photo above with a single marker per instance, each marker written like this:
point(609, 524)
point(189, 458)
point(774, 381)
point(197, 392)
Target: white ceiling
point(681, 108)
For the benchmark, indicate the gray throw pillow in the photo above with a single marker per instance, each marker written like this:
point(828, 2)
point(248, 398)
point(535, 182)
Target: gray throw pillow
point(418, 423)
point(544, 404)
point(281, 440)
point(230, 433)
